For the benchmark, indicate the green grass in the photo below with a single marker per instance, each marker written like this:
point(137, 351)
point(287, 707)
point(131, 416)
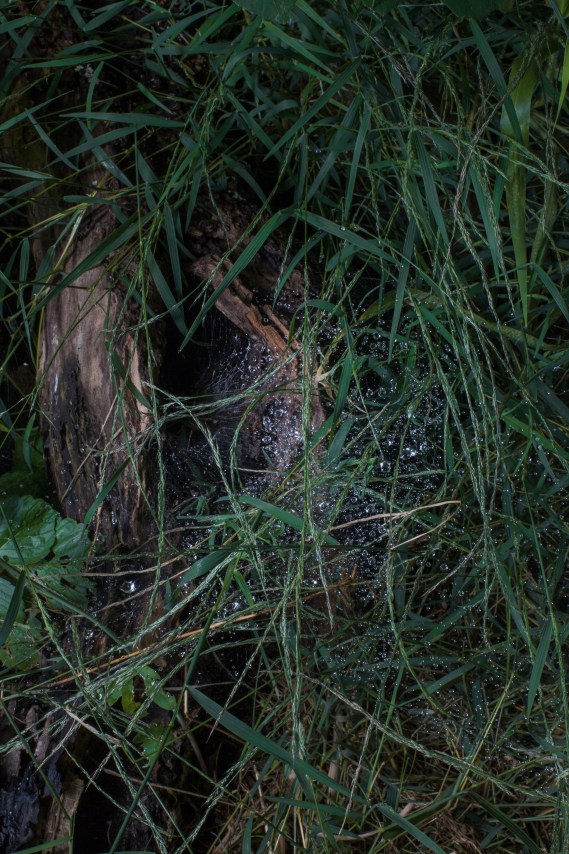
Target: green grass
point(417, 161)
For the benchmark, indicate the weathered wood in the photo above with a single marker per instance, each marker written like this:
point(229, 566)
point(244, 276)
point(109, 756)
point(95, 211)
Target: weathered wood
point(94, 424)
point(278, 401)
point(94, 428)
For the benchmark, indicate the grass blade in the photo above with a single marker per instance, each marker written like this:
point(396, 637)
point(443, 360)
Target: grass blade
point(260, 742)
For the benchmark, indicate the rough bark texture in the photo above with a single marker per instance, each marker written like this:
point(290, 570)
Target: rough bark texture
point(94, 425)
point(91, 426)
point(274, 424)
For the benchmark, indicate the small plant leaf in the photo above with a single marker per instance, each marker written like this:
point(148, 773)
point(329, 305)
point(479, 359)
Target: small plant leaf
point(14, 607)
point(27, 530)
point(19, 649)
point(206, 564)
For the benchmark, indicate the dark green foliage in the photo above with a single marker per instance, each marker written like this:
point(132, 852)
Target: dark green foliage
point(41, 561)
point(416, 157)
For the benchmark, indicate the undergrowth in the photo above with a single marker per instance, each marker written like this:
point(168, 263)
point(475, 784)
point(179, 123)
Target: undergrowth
point(366, 652)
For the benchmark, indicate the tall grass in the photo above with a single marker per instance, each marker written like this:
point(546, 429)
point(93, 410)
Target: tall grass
point(417, 162)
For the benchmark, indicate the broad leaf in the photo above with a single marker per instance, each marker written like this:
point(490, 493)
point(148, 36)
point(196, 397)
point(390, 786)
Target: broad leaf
point(31, 523)
point(19, 651)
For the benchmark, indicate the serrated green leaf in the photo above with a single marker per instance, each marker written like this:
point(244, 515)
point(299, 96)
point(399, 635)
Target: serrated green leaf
point(71, 540)
point(155, 691)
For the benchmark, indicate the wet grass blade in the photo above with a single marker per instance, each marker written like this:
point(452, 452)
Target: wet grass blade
point(538, 665)
point(506, 821)
point(284, 516)
point(319, 105)
point(521, 98)
point(408, 247)
point(408, 827)
point(90, 515)
point(241, 730)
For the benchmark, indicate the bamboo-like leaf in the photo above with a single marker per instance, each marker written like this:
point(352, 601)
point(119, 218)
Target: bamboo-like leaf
point(58, 845)
point(322, 102)
point(346, 376)
point(356, 157)
point(531, 433)
point(279, 11)
point(173, 249)
point(140, 120)
point(102, 494)
point(16, 24)
point(340, 142)
point(478, 9)
point(284, 516)
point(410, 828)
point(497, 76)
point(121, 370)
point(106, 13)
point(243, 731)
point(298, 47)
point(554, 291)
point(206, 564)
point(521, 97)
point(564, 81)
point(538, 665)
point(404, 268)
point(125, 232)
point(426, 172)
point(328, 227)
point(516, 831)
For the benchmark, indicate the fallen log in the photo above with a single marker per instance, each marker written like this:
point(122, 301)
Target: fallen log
point(95, 424)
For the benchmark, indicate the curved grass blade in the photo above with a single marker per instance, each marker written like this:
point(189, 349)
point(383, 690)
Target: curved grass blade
point(284, 516)
point(103, 493)
point(408, 247)
point(322, 101)
point(521, 98)
point(426, 172)
point(531, 433)
point(243, 731)
point(244, 259)
point(507, 822)
point(346, 376)
point(497, 76)
point(49, 846)
point(410, 828)
point(538, 665)
point(205, 564)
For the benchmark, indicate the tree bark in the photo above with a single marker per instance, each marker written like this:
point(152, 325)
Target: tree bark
point(95, 426)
